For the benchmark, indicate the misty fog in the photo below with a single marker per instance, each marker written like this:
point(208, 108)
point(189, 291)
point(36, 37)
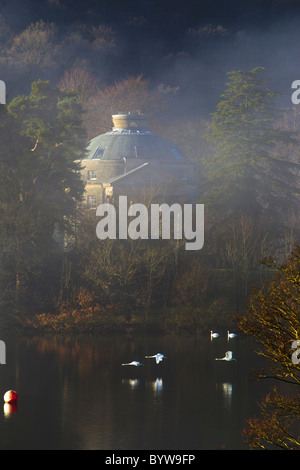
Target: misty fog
point(189, 46)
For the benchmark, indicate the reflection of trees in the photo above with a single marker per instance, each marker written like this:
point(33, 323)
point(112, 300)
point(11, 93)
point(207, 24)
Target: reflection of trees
point(75, 352)
point(80, 398)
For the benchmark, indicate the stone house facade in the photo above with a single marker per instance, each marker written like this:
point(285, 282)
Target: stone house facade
point(130, 160)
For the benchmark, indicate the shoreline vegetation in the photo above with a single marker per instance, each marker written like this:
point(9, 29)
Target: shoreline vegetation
point(184, 320)
point(218, 305)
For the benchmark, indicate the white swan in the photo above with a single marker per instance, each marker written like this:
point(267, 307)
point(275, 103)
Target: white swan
point(227, 357)
point(213, 335)
point(230, 335)
point(158, 357)
point(133, 363)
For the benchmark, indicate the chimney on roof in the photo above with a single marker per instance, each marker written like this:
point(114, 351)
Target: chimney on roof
point(130, 121)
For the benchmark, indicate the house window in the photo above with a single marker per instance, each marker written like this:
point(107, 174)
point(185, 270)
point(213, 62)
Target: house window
point(139, 152)
point(91, 175)
point(99, 153)
point(92, 202)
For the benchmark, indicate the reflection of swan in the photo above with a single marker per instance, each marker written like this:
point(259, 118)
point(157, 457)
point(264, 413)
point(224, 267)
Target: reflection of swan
point(159, 357)
point(157, 385)
point(213, 335)
point(227, 357)
point(133, 363)
point(230, 335)
point(227, 389)
point(132, 382)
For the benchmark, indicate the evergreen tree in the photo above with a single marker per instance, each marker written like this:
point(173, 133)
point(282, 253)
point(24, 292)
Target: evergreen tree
point(41, 136)
point(244, 175)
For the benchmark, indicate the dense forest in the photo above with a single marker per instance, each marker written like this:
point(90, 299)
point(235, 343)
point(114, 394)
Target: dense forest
point(67, 69)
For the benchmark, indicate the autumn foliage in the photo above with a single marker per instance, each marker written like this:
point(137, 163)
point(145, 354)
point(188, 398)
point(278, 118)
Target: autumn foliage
point(273, 320)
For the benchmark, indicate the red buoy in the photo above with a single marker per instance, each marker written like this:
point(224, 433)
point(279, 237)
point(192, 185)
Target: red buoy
point(11, 396)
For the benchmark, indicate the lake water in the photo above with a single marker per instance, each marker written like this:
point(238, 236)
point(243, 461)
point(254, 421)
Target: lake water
point(74, 393)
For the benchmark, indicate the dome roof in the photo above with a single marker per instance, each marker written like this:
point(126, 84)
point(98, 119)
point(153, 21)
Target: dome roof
point(130, 139)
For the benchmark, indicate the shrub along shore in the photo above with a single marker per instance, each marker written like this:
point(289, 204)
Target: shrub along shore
point(171, 320)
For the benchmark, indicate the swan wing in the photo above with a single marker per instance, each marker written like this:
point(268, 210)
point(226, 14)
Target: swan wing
point(228, 355)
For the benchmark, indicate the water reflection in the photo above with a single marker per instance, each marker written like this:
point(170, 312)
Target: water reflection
point(227, 395)
point(10, 409)
point(133, 383)
point(157, 385)
point(227, 390)
point(75, 395)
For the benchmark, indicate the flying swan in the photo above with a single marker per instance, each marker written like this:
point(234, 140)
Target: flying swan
point(158, 357)
point(227, 357)
point(133, 363)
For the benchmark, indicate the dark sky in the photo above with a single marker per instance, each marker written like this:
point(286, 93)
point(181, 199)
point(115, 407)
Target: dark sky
point(191, 43)
point(240, 13)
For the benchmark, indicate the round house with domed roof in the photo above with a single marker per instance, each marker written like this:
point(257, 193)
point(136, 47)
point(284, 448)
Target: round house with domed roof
point(130, 160)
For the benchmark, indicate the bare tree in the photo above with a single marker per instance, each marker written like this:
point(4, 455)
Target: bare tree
point(246, 243)
point(80, 81)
